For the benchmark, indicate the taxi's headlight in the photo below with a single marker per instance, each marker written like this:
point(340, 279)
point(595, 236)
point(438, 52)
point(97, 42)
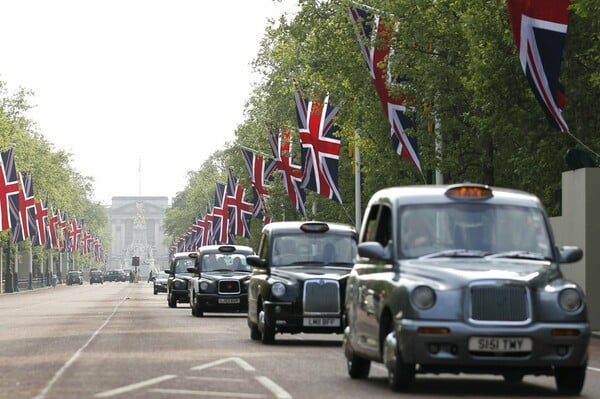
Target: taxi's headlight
point(423, 297)
point(203, 285)
point(179, 284)
point(278, 289)
point(570, 299)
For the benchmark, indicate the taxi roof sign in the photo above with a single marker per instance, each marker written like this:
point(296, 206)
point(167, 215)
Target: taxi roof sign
point(469, 191)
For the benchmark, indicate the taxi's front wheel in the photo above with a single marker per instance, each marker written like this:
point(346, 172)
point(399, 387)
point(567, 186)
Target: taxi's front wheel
point(569, 380)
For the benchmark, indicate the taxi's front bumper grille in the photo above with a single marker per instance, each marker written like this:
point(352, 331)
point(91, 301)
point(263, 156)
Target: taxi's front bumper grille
point(500, 302)
point(321, 296)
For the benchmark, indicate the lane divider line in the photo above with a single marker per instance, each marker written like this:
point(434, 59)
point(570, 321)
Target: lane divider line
point(68, 363)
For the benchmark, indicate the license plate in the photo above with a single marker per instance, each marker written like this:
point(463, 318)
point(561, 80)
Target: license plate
point(500, 344)
point(229, 300)
point(321, 322)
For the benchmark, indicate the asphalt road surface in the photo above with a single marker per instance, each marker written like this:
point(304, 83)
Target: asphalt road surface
point(118, 340)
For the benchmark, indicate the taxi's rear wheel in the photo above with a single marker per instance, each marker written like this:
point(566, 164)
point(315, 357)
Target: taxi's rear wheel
point(569, 380)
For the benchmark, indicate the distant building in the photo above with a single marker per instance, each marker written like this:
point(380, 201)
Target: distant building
point(137, 230)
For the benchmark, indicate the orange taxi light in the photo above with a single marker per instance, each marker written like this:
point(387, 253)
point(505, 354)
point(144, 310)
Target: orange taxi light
point(564, 332)
point(474, 192)
point(433, 330)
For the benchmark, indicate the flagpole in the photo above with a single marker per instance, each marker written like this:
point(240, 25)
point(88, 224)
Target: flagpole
point(357, 202)
point(140, 178)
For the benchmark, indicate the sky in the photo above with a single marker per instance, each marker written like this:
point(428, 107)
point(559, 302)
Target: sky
point(139, 92)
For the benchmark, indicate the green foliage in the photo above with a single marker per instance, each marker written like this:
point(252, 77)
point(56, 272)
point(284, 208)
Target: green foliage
point(54, 180)
point(477, 119)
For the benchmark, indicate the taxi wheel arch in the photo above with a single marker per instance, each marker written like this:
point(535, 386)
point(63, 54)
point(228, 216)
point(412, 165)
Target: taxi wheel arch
point(267, 331)
point(401, 375)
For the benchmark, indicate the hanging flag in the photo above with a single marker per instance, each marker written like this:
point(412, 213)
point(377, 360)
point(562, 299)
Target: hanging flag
point(22, 230)
point(372, 29)
point(9, 190)
point(539, 29)
point(74, 235)
point(260, 172)
point(86, 237)
point(41, 223)
point(209, 217)
point(52, 236)
point(221, 215)
point(240, 210)
point(320, 149)
point(62, 231)
point(291, 174)
point(200, 225)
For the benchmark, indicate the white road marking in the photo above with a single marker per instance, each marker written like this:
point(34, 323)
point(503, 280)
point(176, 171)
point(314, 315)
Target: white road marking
point(76, 355)
point(594, 369)
point(278, 391)
point(224, 379)
point(240, 362)
point(133, 387)
point(211, 394)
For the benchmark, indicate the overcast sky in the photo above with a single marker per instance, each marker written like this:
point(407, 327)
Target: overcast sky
point(119, 83)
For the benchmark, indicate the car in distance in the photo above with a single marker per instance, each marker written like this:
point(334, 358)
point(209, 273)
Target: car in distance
point(159, 282)
point(96, 276)
point(463, 278)
point(220, 282)
point(74, 277)
point(299, 278)
point(179, 276)
point(115, 275)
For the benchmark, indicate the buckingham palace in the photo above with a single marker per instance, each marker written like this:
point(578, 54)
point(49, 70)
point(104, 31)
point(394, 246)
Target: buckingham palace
point(137, 230)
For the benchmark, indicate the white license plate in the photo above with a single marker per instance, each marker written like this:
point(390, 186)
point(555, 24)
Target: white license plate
point(321, 322)
point(500, 344)
point(229, 300)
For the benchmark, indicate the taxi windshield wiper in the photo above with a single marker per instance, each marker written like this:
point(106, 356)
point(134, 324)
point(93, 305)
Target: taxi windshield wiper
point(456, 253)
point(519, 255)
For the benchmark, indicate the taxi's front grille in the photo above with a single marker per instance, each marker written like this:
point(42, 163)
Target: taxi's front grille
point(321, 296)
point(507, 303)
point(229, 287)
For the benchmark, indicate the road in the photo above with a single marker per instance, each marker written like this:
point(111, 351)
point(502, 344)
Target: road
point(118, 340)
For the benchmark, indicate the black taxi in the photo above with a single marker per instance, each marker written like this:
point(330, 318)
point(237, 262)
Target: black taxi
point(298, 280)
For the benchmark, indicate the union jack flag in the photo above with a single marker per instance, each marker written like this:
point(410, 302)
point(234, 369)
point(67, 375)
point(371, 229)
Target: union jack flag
point(209, 219)
point(86, 237)
point(22, 230)
point(74, 235)
point(220, 228)
point(369, 25)
point(240, 209)
point(9, 190)
point(260, 172)
point(201, 227)
point(539, 29)
point(291, 175)
point(63, 227)
point(52, 235)
point(41, 223)
point(320, 149)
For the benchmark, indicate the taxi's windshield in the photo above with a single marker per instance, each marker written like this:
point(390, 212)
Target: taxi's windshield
point(224, 262)
point(314, 249)
point(182, 264)
point(461, 229)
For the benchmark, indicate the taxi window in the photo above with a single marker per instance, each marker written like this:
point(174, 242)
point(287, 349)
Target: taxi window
point(425, 229)
point(181, 265)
